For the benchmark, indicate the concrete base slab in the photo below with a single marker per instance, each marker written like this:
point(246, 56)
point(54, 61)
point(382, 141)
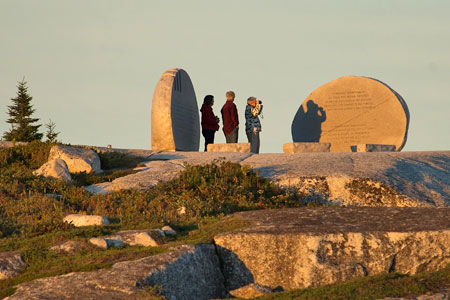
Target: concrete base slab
point(306, 147)
point(236, 147)
point(373, 148)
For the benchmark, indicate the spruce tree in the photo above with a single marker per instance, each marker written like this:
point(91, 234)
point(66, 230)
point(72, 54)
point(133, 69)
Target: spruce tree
point(51, 133)
point(20, 112)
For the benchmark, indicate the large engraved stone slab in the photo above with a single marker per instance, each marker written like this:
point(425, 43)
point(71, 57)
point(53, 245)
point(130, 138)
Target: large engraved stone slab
point(352, 110)
point(175, 118)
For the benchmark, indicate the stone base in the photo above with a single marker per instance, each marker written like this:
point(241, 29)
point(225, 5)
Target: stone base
point(306, 147)
point(236, 147)
point(373, 148)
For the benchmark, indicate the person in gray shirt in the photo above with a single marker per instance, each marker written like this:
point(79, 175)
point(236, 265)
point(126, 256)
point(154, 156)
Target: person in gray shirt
point(252, 123)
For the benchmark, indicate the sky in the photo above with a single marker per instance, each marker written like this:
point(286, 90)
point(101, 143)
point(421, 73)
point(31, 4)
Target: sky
point(92, 66)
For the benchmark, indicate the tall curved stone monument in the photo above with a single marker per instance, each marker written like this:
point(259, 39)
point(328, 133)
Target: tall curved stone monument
point(352, 110)
point(175, 117)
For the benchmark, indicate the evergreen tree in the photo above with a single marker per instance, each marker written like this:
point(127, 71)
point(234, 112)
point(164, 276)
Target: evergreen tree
point(20, 112)
point(51, 133)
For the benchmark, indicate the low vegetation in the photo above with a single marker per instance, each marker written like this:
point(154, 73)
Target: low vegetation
point(32, 209)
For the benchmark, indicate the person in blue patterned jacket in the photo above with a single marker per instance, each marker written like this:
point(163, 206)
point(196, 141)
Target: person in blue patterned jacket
point(252, 123)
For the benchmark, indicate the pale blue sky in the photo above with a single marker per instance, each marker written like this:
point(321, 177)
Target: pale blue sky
point(92, 66)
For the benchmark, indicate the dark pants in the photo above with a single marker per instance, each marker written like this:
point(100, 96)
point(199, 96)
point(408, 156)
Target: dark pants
point(209, 137)
point(253, 139)
point(232, 137)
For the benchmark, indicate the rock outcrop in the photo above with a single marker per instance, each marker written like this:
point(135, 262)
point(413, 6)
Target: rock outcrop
point(412, 179)
point(78, 160)
point(85, 220)
point(55, 168)
point(11, 264)
point(299, 248)
point(188, 272)
point(154, 172)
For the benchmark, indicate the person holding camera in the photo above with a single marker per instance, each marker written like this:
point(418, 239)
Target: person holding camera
point(252, 124)
point(210, 122)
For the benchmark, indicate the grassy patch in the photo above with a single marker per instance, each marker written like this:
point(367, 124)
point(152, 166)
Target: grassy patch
point(32, 209)
point(374, 287)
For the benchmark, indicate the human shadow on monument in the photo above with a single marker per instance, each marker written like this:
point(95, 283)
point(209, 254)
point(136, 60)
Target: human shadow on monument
point(307, 126)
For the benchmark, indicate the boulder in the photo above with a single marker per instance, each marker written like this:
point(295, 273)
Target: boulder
point(187, 272)
point(307, 247)
point(78, 160)
point(159, 232)
point(134, 237)
point(250, 291)
point(55, 168)
point(11, 264)
point(168, 230)
point(67, 246)
point(106, 243)
point(86, 220)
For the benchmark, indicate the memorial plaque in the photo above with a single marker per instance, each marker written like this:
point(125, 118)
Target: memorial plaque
point(175, 117)
point(352, 110)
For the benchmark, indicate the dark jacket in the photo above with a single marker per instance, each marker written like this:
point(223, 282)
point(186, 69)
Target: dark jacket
point(209, 121)
point(230, 117)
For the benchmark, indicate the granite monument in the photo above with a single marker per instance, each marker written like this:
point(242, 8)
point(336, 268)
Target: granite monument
point(175, 117)
point(352, 110)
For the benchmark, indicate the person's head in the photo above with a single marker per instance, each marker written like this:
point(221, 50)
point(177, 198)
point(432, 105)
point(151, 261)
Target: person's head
point(251, 101)
point(208, 100)
point(311, 105)
point(230, 96)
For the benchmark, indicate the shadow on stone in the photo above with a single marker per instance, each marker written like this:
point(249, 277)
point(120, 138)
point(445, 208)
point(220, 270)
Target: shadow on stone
point(234, 270)
point(307, 126)
point(408, 176)
point(194, 275)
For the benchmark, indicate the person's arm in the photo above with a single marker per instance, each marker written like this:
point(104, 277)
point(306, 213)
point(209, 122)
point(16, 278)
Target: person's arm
point(234, 115)
point(256, 110)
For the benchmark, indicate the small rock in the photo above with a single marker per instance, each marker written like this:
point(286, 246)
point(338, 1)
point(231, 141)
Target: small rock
point(168, 230)
point(134, 237)
point(10, 264)
point(77, 159)
point(86, 220)
point(250, 291)
point(181, 211)
point(56, 168)
point(68, 246)
point(159, 232)
point(106, 243)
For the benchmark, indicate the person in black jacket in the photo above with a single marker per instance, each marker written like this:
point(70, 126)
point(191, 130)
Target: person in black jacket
point(210, 122)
